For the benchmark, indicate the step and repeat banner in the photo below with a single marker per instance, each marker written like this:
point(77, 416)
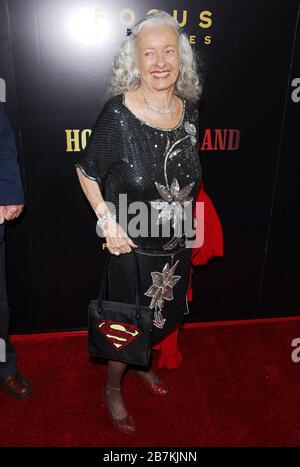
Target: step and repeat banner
point(55, 64)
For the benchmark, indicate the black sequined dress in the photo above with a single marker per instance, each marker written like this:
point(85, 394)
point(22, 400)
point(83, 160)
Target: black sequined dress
point(158, 169)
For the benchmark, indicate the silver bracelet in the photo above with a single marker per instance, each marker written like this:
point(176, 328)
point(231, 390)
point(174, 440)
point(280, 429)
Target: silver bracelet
point(104, 218)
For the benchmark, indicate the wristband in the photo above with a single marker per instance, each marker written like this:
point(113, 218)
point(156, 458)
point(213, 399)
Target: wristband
point(102, 219)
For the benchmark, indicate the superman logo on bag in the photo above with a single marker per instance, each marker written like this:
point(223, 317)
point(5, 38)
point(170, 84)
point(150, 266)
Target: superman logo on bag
point(118, 334)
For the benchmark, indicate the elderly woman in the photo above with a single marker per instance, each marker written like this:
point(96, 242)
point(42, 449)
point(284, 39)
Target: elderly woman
point(144, 145)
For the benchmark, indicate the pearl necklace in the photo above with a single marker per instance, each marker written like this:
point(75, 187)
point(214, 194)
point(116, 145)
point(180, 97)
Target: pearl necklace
point(163, 110)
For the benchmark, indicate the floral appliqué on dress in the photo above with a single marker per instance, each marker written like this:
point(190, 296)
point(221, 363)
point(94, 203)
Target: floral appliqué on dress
point(160, 290)
point(171, 206)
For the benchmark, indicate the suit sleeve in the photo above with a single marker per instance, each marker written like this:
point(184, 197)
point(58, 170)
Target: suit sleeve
point(11, 189)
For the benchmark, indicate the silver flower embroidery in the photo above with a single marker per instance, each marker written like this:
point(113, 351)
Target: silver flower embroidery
point(172, 202)
point(160, 290)
point(172, 198)
point(191, 130)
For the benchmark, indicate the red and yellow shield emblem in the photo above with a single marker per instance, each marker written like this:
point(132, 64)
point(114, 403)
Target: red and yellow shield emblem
point(118, 334)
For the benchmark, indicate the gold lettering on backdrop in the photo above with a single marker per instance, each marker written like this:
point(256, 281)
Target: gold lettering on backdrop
point(206, 21)
point(183, 20)
point(127, 17)
point(84, 138)
point(97, 24)
point(72, 140)
point(100, 24)
point(76, 141)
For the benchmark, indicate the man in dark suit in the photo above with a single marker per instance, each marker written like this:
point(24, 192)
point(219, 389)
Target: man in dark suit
point(11, 205)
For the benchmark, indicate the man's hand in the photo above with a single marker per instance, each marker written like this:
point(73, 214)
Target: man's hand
point(2, 214)
point(10, 212)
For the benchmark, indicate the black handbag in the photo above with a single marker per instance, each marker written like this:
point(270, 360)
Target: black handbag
point(120, 331)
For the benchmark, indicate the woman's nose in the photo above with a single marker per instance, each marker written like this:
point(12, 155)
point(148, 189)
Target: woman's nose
point(161, 60)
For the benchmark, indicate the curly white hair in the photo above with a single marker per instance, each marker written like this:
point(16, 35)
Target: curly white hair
point(124, 77)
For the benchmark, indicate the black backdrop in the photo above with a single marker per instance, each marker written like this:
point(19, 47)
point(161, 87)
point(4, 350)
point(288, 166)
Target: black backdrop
point(55, 59)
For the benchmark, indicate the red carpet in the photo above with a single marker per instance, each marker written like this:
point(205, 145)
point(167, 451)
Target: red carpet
point(236, 386)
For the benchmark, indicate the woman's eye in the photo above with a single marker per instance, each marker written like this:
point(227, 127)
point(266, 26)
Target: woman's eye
point(148, 53)
point(170, 50)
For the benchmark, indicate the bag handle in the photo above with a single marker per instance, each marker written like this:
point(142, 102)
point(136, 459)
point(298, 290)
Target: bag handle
point(138, 286)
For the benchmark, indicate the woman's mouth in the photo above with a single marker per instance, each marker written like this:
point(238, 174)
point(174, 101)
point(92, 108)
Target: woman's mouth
point(160, 74)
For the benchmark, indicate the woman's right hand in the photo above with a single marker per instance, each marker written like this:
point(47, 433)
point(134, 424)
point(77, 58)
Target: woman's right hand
point(117, 239)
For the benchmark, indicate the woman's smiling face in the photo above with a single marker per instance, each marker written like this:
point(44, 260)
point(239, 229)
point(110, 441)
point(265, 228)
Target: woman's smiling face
point(158, 56)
